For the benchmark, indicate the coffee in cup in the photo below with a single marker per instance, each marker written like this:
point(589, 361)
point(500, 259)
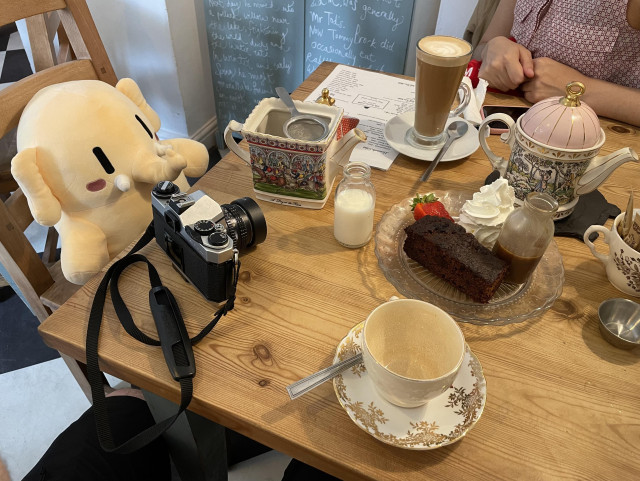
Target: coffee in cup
point(412, 351)
point(440, 64)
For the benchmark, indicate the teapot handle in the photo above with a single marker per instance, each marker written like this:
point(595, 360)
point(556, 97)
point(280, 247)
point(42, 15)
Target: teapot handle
point(499, 163)
point(232, 144)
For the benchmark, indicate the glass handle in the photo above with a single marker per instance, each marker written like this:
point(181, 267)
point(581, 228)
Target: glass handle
point(465, 100)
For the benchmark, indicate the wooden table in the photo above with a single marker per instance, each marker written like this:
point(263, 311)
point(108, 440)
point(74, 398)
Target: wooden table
point(561, 401)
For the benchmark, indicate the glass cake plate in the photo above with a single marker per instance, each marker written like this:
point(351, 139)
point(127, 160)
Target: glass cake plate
point(510, 304)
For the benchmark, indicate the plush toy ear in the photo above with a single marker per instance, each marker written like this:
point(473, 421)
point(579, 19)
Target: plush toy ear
point(128, 87)
point(44, 206)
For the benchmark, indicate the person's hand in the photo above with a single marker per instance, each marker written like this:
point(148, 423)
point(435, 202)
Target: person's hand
point(505, 64)
point(550, 80)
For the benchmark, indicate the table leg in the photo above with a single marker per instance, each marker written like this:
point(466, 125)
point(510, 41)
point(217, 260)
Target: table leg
point(197, 446)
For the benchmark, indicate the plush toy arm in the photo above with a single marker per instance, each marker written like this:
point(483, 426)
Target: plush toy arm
point(194, 152)
point(152, 169)
point(45, 208)
point(84, 249)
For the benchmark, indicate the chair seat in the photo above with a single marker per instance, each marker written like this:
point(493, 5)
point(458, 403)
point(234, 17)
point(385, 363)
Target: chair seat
point(60, 291)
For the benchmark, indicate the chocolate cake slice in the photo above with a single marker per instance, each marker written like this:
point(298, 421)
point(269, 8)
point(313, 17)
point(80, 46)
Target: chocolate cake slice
point(449, 252)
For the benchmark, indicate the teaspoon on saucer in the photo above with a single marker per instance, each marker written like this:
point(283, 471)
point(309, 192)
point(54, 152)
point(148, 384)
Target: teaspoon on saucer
point(455, 130)
point(308, 383)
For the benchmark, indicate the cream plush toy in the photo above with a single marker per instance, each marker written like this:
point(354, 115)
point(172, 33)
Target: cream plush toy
point(87, 162)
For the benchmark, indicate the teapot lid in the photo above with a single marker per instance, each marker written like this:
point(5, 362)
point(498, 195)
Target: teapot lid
point(563, 122)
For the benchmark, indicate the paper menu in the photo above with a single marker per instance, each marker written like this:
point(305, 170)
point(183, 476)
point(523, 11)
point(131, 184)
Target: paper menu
point(374, 98)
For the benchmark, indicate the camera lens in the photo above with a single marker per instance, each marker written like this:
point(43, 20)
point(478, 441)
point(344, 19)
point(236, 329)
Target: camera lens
point(246, 224)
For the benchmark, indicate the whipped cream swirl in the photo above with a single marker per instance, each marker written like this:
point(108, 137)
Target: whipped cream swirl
point(484, 215)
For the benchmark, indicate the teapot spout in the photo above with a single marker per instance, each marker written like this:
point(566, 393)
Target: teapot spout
point(602, 167)
point(343, 148)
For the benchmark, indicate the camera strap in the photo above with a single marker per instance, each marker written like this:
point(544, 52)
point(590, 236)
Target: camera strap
point(173, 338)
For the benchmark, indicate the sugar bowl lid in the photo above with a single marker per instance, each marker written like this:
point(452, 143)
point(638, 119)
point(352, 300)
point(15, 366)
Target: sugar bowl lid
point(563, 122)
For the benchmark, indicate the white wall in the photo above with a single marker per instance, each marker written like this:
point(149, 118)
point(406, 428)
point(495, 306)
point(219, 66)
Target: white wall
point(191, 50)
point(441, 17)
point(423, 23)
point(156, 43)
point(162, 45)
point(454, 16)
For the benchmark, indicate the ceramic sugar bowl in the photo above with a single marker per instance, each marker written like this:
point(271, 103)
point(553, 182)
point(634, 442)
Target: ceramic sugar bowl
point(554, 148)
point(289, 171)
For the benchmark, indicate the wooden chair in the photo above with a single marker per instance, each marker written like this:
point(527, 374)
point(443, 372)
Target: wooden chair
point(81, 56)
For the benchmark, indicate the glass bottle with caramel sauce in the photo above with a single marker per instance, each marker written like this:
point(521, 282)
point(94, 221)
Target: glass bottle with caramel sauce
point(525, 235)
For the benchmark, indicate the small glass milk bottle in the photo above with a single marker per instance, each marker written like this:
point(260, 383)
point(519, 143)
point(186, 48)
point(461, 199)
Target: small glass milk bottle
point(525, 235)
point(354, 205)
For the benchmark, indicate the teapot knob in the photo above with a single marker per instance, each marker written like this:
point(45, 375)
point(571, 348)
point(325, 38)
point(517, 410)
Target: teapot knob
point(574, 91)
point(325, 98)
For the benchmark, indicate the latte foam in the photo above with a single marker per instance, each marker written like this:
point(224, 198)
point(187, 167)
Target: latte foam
point(443, 50)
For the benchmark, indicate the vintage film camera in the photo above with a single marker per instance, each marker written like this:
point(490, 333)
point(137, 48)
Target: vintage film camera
point(203, 238)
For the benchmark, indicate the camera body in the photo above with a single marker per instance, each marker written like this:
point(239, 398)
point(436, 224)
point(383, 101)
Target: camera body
point(203, 238)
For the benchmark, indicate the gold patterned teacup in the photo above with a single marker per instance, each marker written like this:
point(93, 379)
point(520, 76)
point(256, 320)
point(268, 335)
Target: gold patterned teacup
point(622, 264)
point(412, 351)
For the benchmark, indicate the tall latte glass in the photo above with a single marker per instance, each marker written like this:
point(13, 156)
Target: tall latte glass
point(440, 64)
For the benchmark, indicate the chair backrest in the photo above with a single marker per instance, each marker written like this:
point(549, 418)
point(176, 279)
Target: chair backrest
point(81, 55)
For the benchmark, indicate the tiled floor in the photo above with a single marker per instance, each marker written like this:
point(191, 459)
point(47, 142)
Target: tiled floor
point(13, 59)
point(38, 396)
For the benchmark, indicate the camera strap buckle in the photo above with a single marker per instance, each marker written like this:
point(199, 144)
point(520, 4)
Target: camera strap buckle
point(174, 340)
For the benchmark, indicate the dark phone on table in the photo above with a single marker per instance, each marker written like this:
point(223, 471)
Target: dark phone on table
point(513, 112)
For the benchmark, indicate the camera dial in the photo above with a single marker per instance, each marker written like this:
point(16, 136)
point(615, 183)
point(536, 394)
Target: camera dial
point(204, 227)
point(218, 239)
point(165, 189)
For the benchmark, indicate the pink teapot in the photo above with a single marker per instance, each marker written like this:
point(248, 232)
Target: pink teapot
point(554, 148)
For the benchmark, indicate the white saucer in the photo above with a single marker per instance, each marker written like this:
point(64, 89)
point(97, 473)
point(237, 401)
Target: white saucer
point(396, 128)
point(442, 421)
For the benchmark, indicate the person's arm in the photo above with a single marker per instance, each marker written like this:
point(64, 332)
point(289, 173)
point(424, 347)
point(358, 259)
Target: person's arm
point(500, 26)
point(505, 64)
point(605, 98)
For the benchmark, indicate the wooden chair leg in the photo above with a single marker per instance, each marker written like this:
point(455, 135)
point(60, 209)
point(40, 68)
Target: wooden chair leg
point(79, 374)
point(50, 247)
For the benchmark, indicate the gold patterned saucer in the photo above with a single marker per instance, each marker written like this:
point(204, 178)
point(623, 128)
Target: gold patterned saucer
point(442, 421)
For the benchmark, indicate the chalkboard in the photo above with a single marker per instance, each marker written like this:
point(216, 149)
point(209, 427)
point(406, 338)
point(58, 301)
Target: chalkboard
point(363, 33)
point(255, 47)
point(258, 45)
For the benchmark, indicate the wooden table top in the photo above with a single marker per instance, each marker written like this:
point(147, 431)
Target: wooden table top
point(561, 401)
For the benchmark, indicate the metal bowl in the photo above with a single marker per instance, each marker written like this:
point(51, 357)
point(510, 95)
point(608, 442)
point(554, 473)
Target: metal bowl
point(620, 322)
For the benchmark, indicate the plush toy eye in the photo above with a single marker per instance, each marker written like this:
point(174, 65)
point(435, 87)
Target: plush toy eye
point(104, 160)
point(145, 126)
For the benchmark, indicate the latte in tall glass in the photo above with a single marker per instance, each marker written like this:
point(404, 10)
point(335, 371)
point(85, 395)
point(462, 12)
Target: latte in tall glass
point(440, 64)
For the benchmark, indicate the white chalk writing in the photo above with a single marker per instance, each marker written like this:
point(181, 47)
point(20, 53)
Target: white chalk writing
point(254, 47)
point(363, 33)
